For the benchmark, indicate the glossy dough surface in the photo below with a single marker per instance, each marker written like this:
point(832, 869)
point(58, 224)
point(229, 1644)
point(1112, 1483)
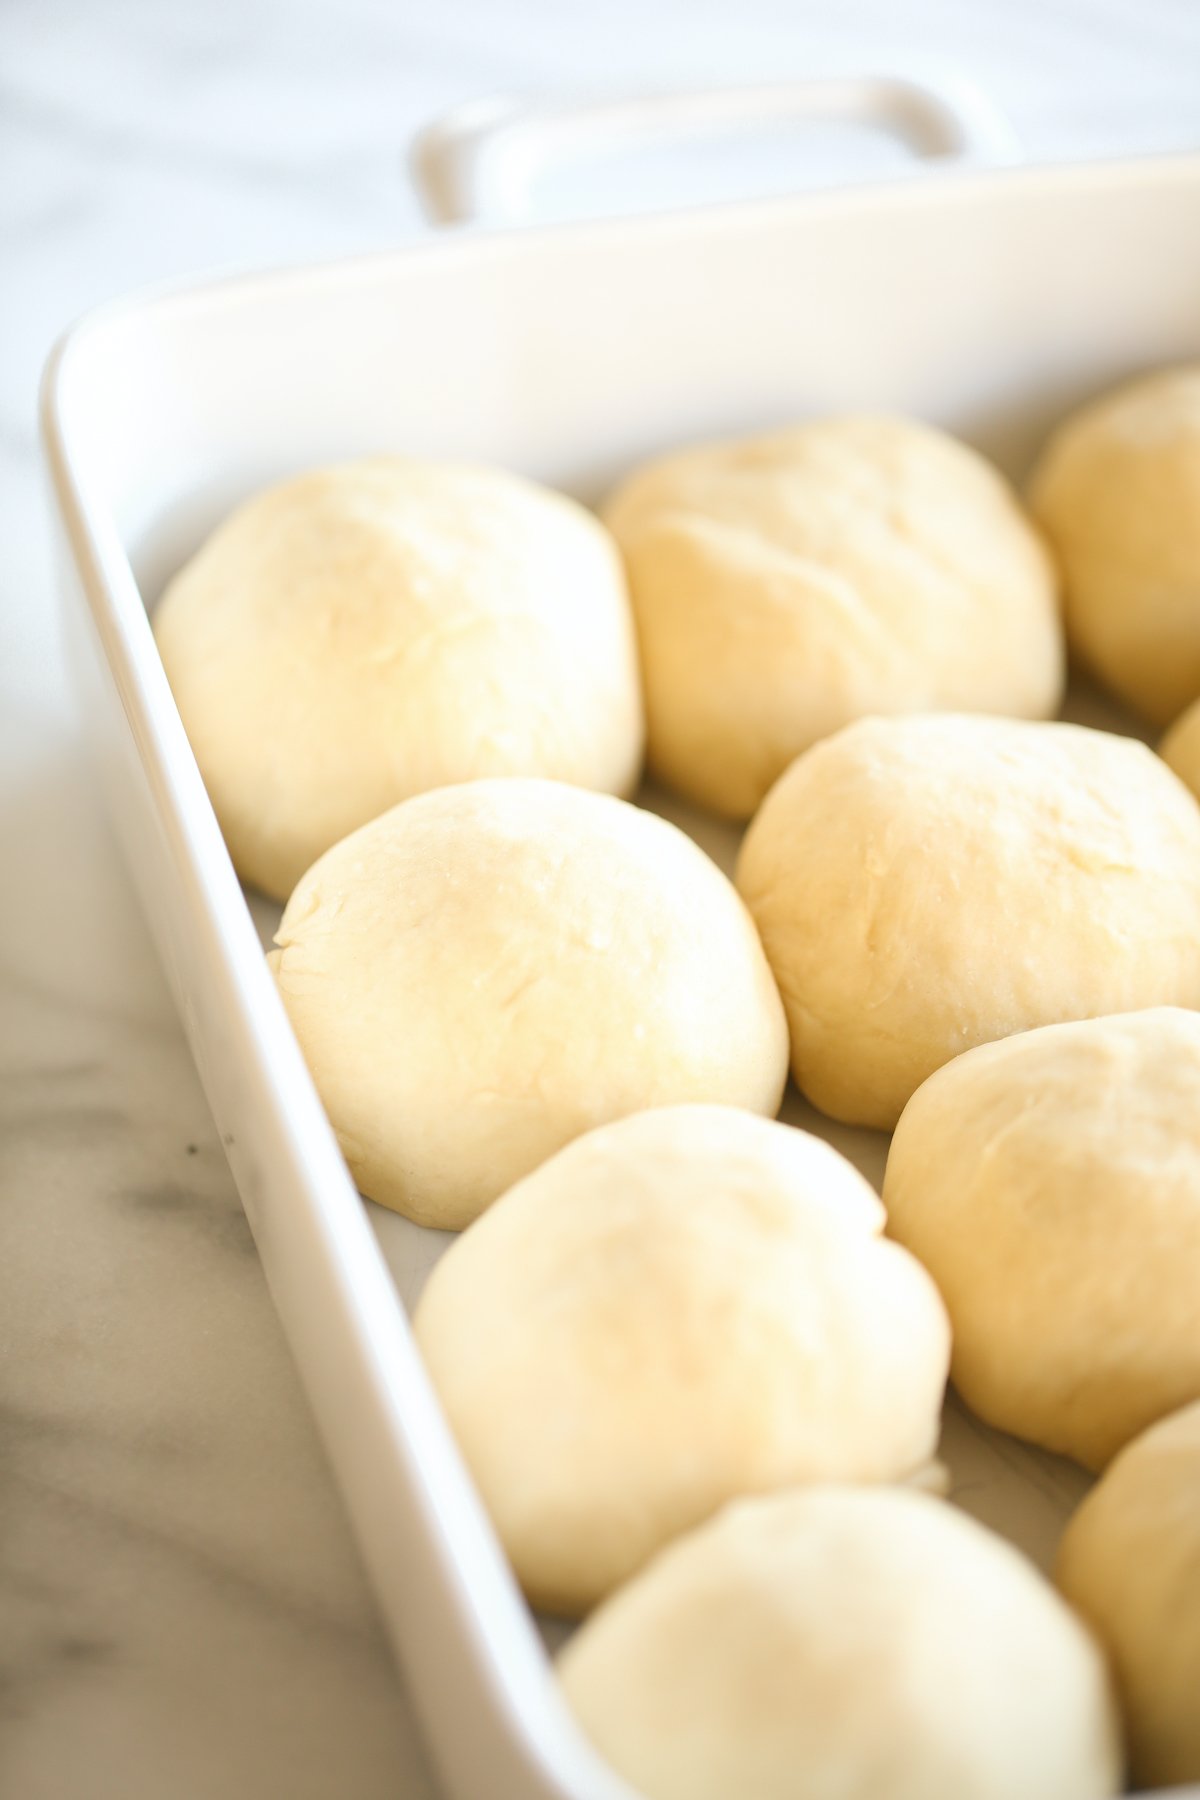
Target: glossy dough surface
point(1051, 1185)
point(685, 1306)
point(844, 1644)
point(368, 632)
point(924, 885)
point(786, 585)
point(1130, 1561)
point(1118, 494)
point(491, 969)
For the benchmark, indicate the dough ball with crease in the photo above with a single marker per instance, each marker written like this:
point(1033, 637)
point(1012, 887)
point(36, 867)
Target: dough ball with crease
point(687, 1305)
point(785, 585)
point(1117, 492)
point(364, 633)
point(1130, 1562)
point(1050, 1183)
point(491, 969)
point(844, 1644)
point(923, 885)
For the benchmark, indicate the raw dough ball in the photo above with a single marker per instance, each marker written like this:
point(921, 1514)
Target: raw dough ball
point(1118, 493)
point(491, 969)
point(1051, 1185)
point(688, 1305)
point(926, 884)
point(1180, 749)
point(1130, 1561)
point(786, 585)
point(369, 632)
point(844, 1644)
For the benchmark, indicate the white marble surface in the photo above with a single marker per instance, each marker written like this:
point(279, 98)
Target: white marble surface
point(181, 1609)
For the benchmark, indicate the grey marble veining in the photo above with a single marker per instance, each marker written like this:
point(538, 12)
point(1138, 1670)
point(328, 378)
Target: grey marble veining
point(180, 1606)
point(182, 1612)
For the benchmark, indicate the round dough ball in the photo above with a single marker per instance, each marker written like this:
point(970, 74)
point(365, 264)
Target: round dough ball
point(922, 885)
point(844, 1644)
point(688, 1305)
point(368, 632)
point(787, 585)
point(1130, 1561)
point(1117, 492)
point(491, 969)
point(1050, 1183)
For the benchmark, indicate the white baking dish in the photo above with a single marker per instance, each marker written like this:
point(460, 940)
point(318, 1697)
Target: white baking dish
point(987, 301)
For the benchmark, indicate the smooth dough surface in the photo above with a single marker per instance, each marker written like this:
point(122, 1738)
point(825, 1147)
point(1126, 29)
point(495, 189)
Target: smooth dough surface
point(1050, 1183)
point(491, 969)
point(788, 584)
point(1130, 1562)
point(368, 632)
point(690, 1304)
point(1117, 492)
point(923, 885)
point(844, 1644)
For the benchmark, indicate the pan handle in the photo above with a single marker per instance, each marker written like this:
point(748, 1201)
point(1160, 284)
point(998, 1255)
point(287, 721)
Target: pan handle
point(481, 160)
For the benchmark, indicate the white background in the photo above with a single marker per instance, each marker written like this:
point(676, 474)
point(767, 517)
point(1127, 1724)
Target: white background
point(181, 1610)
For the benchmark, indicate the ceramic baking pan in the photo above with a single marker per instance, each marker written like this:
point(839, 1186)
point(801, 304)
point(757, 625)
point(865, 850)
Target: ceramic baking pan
point(987, 300)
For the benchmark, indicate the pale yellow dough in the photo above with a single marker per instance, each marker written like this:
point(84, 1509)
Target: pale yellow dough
point(788, 584)
point(1130, 1561)
point(1117, 492)
point(489, 970)
point(688, 1305)
point(923, 885)
point(1051, 1185)
point(844, 1644)
point(368, 632)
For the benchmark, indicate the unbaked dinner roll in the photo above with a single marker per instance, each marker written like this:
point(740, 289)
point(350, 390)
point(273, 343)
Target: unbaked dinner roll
point(926, 884)
point(489, 970)
point(367, 632)
point(844, 1644)
point(688, 1305)
point(1118, 493)
point(1051, 1185)
point(1130, 1561)
point(785, 585)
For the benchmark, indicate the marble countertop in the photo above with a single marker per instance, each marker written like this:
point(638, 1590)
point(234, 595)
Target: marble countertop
point(182, 1611)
